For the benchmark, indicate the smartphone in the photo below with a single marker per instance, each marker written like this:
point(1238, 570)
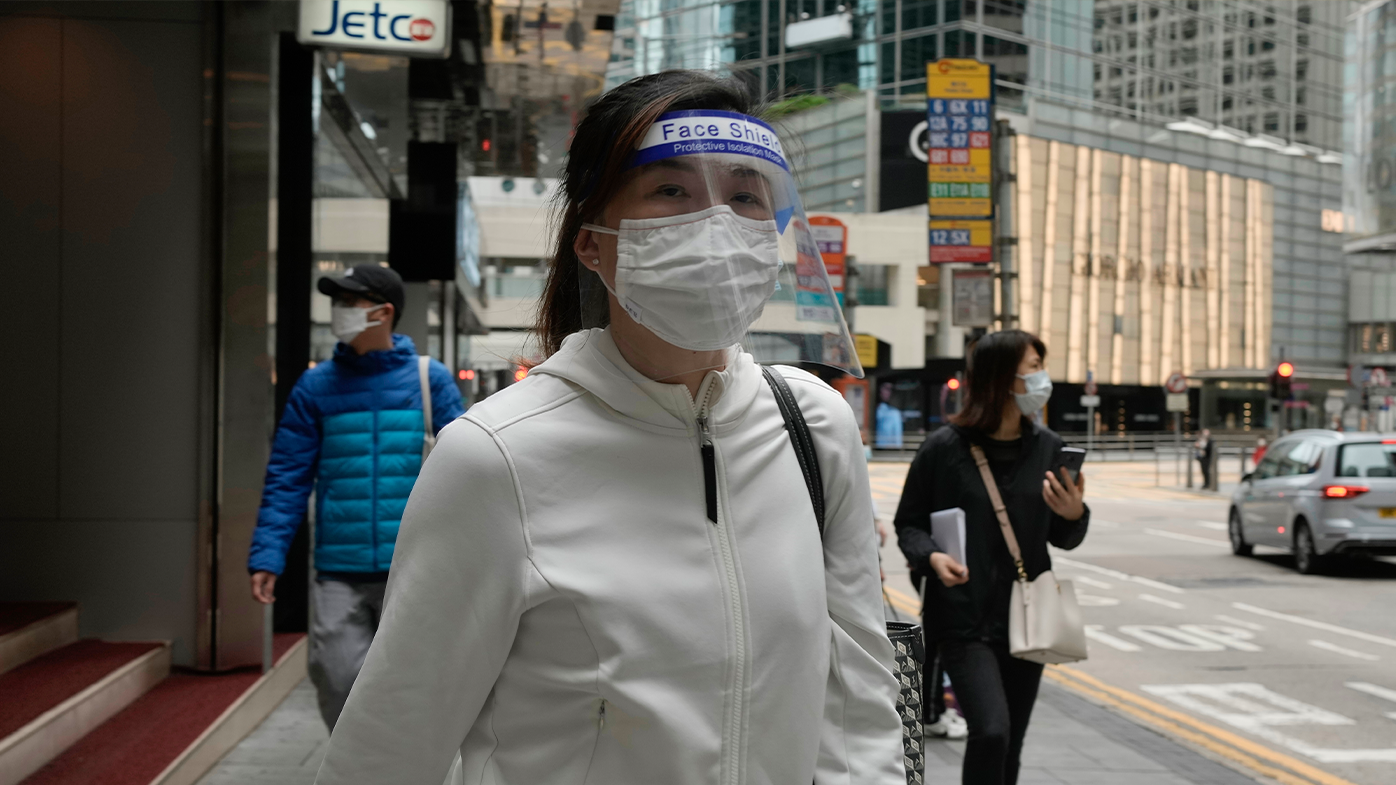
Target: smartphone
point(1071, 458)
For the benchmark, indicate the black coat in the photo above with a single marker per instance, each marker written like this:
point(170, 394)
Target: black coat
point(944, 476)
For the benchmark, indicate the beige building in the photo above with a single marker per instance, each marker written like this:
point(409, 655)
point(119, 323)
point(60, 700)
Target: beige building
point(1134, 268)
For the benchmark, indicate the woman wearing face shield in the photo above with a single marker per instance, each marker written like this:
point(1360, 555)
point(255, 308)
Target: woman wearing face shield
point(966, 609)
point(612, 571)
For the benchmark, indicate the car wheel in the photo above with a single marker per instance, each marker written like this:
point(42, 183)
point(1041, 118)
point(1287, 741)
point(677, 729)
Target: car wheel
point(1306, 558)
point(1239, 546)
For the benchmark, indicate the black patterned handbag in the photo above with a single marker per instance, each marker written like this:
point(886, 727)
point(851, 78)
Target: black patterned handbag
point(907, 641)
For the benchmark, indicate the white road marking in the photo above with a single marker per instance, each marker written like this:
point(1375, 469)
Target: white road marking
point(1086, 580)
point(1116, 574)
point(1230, 637)
point(1360, 686)
point(1336, 649)
point(1095, 601)
point(1250, 625)
point(1318, 625)
point(1188, 538)
point(1213, 525)
point(1170, 638)
point(1096, 633)
point(1256, 710)
point(1161, 601)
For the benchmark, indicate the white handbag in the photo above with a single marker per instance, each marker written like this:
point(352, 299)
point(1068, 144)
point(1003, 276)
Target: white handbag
point(1044, 621)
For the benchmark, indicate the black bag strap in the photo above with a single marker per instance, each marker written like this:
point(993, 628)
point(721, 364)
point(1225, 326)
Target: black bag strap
point(801, 439)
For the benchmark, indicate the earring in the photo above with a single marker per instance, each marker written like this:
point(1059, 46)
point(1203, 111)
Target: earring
point(595, 262)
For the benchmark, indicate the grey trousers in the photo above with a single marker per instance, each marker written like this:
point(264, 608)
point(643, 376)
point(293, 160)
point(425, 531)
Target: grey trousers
point(346, 617)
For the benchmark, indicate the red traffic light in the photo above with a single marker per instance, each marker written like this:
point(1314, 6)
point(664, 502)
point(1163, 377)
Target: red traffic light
point(953, 384)
point(466, 374)
point(1285, 370)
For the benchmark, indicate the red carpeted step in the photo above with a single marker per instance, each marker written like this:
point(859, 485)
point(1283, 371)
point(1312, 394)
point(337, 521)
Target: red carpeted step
point(138, 743)
point(18, 615)
point(41, 684)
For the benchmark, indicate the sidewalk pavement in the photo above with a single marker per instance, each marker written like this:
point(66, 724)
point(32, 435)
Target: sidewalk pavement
point(1070, 742)
point(285, 749)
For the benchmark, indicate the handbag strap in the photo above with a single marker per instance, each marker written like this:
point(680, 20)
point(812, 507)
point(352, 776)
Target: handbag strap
point(800, 437)
point(999, 510)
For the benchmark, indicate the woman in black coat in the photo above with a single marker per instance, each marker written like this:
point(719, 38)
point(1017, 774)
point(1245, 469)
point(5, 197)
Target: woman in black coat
point(966, 606)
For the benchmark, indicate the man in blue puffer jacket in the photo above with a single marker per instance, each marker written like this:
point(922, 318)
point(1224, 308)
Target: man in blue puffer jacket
point(354, 432)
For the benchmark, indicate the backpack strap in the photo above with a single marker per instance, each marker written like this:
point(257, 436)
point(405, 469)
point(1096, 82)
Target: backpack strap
point(423, 376)
point(800, 437)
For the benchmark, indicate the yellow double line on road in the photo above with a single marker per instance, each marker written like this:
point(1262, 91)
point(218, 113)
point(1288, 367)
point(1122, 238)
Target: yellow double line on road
point(1247, 754)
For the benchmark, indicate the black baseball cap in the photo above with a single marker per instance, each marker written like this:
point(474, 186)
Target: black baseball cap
point(367, 280)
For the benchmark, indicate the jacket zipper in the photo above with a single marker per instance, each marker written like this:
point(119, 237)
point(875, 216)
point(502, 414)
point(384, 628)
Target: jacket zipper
point(709, 467)
point(709, 455)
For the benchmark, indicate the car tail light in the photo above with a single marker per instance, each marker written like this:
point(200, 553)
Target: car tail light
point(1343, 491)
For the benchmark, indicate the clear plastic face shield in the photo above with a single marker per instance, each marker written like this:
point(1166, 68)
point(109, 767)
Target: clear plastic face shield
point(706, 247)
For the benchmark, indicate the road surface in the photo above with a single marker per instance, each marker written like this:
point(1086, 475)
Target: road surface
point(1286, 676)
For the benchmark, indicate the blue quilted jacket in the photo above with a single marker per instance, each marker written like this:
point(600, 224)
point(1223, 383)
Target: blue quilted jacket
point(353, 432)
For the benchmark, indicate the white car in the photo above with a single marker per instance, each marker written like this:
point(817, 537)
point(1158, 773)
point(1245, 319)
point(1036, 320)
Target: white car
point(1319, 493)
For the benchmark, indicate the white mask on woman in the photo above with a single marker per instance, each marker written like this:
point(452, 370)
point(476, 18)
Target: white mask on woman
point(699, 280)
point(1039, 389)
point(347, 321)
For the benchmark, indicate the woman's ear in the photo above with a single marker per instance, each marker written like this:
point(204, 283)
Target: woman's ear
point(586, 248)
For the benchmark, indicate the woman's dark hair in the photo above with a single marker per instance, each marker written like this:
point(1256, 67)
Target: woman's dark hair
point(989, 374)
point(601, 148)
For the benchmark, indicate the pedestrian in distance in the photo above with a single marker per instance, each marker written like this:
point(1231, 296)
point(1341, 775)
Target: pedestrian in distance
point(1203, 449)
point(967, 605)
point(613, 571)
point(355, 432)
point(1260, 447)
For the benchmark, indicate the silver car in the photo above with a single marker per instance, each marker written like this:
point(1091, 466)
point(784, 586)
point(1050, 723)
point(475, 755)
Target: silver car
point(1319, 493)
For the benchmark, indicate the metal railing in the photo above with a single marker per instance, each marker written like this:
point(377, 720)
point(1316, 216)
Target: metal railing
point(1170, 452)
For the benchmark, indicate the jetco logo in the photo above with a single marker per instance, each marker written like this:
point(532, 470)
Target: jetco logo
point(412, 27)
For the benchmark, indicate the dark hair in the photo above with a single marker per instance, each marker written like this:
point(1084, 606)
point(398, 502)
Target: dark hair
point(601, 148)
point(989, 374)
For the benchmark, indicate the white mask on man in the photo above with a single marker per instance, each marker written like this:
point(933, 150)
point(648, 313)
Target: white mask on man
point(348, 321)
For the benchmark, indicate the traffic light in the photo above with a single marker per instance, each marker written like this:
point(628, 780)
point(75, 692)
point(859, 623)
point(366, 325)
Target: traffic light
point(953, 384)
point(1280, 380)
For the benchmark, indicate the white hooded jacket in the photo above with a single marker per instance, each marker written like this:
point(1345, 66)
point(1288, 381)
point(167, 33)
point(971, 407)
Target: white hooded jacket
point(561, 609)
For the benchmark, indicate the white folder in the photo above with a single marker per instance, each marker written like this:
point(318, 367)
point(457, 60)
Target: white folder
point(948, 529)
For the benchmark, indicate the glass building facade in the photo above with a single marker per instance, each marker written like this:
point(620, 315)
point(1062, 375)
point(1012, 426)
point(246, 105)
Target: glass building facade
point(1369, 184)
point(1261, 68)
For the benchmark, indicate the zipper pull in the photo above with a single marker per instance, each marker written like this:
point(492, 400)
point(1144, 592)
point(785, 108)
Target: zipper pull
point(709, 469)
point(601, 715)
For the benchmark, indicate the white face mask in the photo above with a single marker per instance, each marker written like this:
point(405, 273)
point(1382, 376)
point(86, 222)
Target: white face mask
point(697, 281)
point(1039, 389)
point(347, 321)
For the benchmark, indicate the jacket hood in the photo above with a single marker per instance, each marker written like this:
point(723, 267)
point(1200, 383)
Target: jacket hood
point(591, 360)
point(403, 351)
